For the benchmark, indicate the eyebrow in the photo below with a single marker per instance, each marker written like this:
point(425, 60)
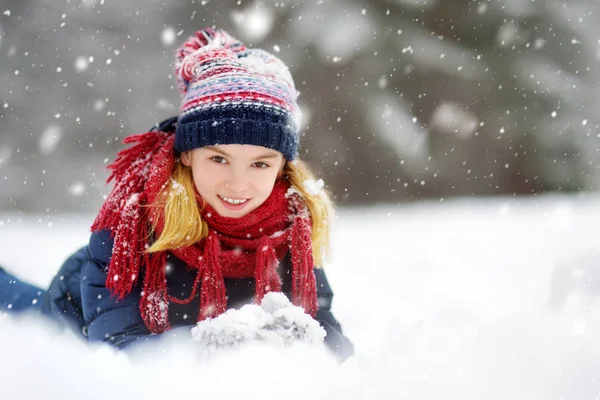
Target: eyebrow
point(270, 154)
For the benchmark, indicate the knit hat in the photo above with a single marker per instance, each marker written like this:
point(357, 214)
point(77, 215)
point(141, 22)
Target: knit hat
point(234, 95)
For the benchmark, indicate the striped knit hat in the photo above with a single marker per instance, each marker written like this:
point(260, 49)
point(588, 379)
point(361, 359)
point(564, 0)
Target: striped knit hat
point(234, 95)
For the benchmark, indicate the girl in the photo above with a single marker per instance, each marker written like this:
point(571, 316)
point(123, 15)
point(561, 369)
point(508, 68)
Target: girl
point(209, 211)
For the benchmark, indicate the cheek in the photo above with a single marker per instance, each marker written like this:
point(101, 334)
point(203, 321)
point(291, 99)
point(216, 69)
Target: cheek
point(266, 183)
point(205, 179)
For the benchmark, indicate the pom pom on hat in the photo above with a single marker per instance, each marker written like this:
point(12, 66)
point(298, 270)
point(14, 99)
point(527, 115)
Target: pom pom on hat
point(234, 95)
point(196, 50)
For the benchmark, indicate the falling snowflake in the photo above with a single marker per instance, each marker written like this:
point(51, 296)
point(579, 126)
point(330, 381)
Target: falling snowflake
point(49, 139)
point(168, 36)
point(313, 187)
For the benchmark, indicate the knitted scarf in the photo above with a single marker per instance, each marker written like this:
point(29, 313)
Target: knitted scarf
point(250, 246)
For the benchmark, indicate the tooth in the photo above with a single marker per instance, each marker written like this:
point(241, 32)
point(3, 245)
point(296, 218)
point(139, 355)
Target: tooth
point(234, 201)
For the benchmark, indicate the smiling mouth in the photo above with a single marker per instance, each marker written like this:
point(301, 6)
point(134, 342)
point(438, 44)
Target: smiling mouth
point(233, 201)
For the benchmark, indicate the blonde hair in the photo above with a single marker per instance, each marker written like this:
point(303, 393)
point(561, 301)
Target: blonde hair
point(184, 226)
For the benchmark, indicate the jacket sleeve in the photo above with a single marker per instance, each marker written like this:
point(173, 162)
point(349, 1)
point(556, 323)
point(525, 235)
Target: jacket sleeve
point(116, 322)
point(335, 339)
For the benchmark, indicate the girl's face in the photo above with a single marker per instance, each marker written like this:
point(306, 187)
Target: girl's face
point(234, 179)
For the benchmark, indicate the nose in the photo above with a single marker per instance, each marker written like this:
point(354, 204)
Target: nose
point(237, 182)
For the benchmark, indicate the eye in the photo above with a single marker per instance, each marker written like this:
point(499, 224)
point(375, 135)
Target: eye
point(261, 164)
point(218, 159)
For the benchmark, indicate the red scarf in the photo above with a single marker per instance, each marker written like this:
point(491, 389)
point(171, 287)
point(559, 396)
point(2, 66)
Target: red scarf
point(245, 247)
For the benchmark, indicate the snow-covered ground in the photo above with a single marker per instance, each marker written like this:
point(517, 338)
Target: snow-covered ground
point(443, 300)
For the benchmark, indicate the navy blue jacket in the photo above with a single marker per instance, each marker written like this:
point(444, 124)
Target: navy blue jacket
point(79, 297)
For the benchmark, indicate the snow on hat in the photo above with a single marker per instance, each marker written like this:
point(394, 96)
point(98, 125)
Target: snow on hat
point(234, 95)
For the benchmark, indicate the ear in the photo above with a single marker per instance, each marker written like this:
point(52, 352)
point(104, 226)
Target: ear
point(186, 158)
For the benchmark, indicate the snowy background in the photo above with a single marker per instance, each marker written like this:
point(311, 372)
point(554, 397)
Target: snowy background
point(402, 99)
point(443, 300)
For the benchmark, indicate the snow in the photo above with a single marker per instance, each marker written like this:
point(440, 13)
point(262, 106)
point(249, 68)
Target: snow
point(442, 301)
point(277, 234)
point(508, 34)
point(452, 119)
point(81, 63)
point(77, 189)
point(99, 105)
point(313, 187)
point(49, 139)
point(254, 22)
point(132, 200)
point(340, 26)
point(166, 105)
point(168, 36)
point(177, 188)
point(5, 154)
point(276, 322)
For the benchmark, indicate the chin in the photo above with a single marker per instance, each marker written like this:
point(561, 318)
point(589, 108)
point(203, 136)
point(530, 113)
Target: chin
point(223, 212)
point(229, 214)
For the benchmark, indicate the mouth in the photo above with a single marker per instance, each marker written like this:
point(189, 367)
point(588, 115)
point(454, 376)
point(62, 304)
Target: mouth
point(233, 204)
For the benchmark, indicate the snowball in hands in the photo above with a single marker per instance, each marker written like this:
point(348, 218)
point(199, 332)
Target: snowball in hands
point(275, 321)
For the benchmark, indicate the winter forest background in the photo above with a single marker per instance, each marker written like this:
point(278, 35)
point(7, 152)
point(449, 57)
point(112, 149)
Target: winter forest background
point(402, 99)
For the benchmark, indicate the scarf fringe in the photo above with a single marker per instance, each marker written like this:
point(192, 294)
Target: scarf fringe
point(304, 293)
point(154, 303)
point(213, 299)
point(124, 267)
point(266, 276)
point(122, 212)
